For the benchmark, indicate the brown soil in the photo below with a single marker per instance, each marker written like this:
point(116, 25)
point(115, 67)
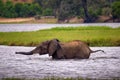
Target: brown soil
point(27, 20)
point(15, 20)
point(50, 20)
point(104, 19)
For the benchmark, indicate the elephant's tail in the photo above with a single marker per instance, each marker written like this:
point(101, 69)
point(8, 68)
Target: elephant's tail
point(97, 51)
point(24, 53)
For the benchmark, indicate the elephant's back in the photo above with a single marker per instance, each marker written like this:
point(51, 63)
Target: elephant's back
point(76, 49)
point(84, 49)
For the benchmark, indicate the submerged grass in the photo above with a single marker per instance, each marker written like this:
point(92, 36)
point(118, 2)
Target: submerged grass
point(93, 35)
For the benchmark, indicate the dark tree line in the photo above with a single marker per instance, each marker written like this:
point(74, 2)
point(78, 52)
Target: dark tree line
point(11, 10)
point(89, 10)
point(116, 11)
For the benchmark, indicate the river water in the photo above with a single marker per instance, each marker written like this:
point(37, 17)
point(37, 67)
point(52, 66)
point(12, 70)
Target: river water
point(34, 27)
point(98, 66)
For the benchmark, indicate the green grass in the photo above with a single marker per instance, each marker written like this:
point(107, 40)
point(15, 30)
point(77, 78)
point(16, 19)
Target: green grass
point(94, 35)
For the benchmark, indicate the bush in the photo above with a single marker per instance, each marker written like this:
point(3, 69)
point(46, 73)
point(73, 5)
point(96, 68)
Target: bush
point(48, 12)
point(116, 10)
point(18, 9)
point(11, 10)
point(106, 11)
point(1, 7)
point(94, 13)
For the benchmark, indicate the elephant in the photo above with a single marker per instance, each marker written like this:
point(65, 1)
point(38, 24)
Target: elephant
point(75, 49)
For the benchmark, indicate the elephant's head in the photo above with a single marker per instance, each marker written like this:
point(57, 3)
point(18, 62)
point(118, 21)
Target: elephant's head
point(42, 48)
point(47, 47)
point(53, 46)
point(54, 49)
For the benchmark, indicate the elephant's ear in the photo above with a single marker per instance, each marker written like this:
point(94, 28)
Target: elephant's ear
point(53, 46)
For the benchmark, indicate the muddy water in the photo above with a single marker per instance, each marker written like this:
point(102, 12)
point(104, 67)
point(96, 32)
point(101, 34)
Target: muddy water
point(34, 27)
point(100, 65)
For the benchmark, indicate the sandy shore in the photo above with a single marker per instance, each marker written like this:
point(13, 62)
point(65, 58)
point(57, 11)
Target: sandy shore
point(15, 20)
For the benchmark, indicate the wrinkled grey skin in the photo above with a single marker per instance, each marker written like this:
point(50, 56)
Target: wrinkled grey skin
point(70, 50)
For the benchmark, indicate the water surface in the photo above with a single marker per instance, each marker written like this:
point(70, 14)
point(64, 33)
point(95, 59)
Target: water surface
point(34, 27)
point(99, 65)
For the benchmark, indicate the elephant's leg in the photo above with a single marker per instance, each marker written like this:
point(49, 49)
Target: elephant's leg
point(55, 56)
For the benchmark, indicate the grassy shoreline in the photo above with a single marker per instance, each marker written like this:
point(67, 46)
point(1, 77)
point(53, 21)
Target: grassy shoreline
point(93, 35)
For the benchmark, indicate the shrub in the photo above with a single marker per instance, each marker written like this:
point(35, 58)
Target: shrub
point(48, 12)
point(116, 9)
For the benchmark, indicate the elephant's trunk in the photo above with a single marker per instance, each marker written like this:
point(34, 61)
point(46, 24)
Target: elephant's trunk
point(24, 53)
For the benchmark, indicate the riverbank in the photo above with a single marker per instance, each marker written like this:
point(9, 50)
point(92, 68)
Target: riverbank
point(32, 20)
point(26, 20)
point(94, 36)
point(15, 20)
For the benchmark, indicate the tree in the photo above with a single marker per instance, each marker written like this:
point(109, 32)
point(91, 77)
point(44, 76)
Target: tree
point(26, 9)
point(87, 17)
point(18, 9)
point(48, 12)
point(1, 7)
point(66, 10)
point(36, 8)
point(9, 10)
point(116, 10)
point(54, 5)
point(39, 2)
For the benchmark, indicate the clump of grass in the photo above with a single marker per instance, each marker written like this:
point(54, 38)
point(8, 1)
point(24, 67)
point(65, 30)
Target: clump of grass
point(95, 36)
point(83, 28)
